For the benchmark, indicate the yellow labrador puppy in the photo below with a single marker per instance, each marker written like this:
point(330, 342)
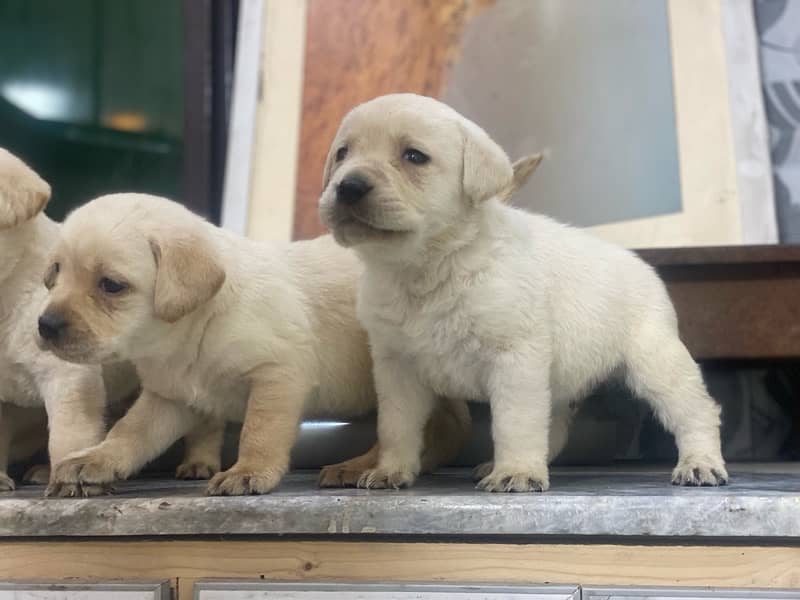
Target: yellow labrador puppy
point(217, 326)
point(467, 297)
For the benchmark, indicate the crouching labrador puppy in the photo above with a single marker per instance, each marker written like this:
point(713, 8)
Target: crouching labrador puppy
point(219, 327)
point(467, 297)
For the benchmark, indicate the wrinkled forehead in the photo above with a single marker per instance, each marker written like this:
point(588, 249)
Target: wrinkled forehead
point(103, 244)
point(380, 125)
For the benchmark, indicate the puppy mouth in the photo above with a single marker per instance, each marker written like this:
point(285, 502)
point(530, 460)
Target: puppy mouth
point(364, 222)
point(71, 351)
point(350, 218)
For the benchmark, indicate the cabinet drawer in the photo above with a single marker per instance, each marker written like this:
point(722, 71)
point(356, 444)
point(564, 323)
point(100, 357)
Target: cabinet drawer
point(20, 590)
point(260, 590)
point(658, 593)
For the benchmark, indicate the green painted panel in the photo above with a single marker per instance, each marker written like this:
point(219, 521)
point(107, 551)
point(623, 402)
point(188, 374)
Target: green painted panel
point(91, 95)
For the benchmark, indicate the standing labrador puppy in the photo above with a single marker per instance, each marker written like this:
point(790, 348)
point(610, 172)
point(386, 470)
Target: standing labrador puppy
point(218, 327)
point(466, 297)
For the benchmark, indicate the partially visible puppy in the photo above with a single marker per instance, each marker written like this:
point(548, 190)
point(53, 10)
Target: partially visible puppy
point(218, 327)
point(466, 297)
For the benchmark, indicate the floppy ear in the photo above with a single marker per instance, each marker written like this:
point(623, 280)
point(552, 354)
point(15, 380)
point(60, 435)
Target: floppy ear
point(486, 168)
point(523, 169)
point(326, 171)
point(188, 274)
point(23, 194)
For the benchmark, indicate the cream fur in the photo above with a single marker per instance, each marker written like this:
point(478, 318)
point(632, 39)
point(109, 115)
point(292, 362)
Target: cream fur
point(219, 328)
point(466, 297)
point(34, 384)
point(37, 389)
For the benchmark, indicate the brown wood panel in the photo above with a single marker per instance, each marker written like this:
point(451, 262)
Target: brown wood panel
point(726, 255)
point(735, 312)
point(356, 50)
point(186, 560)
point(739, 302)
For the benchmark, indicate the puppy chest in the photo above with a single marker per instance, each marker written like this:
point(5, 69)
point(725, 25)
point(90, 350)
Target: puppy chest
point(222, 397)
point(456, 374)
point(446, 355)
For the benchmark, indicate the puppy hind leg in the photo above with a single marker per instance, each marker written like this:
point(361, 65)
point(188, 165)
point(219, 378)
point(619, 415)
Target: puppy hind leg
point(446, 432)
point(348, 472)
point(37, 475)
point(202, 455)
point(6, 433)
point(28, 436)
point(662, 372)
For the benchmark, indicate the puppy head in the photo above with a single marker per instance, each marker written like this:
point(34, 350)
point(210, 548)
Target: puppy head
point(403, 167)
point(127, 267)
point(23, 194)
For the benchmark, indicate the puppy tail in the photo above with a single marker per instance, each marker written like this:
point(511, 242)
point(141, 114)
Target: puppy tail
point(523, 169)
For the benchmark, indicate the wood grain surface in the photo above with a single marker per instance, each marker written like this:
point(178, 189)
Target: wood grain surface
point(737, 302)
point(184, 561)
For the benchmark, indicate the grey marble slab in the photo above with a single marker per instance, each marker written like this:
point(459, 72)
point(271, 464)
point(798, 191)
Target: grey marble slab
point(761, 502)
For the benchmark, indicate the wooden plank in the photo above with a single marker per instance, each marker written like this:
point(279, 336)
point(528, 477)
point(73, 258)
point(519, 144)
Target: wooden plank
point(728, 255)
point(738, 318)
point(724, 566)
point(736, 302)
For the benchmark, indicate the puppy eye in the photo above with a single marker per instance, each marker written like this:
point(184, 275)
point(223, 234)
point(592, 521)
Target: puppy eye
point(415, 156)
point(341, 154)
point(109, 286)
point(50, 277)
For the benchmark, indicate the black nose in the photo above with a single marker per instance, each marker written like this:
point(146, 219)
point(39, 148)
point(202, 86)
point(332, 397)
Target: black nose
point(351, 189)
point(51, 325)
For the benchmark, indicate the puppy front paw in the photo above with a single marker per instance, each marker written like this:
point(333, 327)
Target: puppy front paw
point(700, 470)
point(59, 489)
point(83, 474)
point(6, 483)
point(515, 480)
point(241, 481)
point(196, 470)
point(37, 475)
point(382, 479)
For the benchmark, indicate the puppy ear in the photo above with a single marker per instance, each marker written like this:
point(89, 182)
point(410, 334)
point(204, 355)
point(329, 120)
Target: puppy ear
point(523, 169)
point(326, 171)
point(188, 274)
point(487, 170)
point(23, 194)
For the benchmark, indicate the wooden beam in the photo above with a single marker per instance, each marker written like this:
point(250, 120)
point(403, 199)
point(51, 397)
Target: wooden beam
point(186, 560)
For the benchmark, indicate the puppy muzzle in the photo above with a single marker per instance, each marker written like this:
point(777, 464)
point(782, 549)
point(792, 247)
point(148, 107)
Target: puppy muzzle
point(352, 189)
point(52, 326)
